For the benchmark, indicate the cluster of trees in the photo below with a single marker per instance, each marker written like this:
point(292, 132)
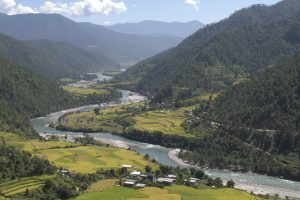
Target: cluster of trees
point(62, 187)
point(15, 163)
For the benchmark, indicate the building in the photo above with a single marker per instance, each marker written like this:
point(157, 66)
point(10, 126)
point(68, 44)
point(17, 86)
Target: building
point(135, 174)
point(166, 181)
point(129, 183)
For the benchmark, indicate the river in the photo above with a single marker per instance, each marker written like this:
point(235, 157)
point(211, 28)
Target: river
point(248, 181)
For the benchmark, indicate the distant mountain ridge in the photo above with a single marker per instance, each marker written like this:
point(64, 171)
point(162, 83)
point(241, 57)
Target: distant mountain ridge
point(220, 54)
point(120, 47)
point(148, 27)
point(52, 59)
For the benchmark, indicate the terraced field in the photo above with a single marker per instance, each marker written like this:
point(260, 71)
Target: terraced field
point(168, 193)
point(84, 91)
point(18, 186)
point(166, 121)
point(89, 159)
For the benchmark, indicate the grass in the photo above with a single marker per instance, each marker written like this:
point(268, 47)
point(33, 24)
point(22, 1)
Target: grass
point(14, 187)
point(114, 193)
point(84, 91)
point(89, 159)
point(100, 186)
point(188, 193)
point(168, 193)
point(166, 121)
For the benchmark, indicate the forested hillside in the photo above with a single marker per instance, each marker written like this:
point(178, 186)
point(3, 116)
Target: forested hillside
point(25, 95)
point(52, 59)
point(258, 118)
point(220, 54)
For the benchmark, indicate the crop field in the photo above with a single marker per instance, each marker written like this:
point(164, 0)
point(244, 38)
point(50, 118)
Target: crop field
point(88, 159)
point(84, 91)
point(14, 187)
point(168, 193)
point(166, 121)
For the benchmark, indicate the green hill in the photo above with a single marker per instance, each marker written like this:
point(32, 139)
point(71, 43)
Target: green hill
point(52, 59)
point(255, 125)
point(24, 95)
point(220, 54)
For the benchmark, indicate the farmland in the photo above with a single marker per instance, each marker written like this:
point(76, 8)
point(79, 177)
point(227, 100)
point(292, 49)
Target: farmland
point(84, 91)
point(167, 193)
point(21, 185)
point(89, 159)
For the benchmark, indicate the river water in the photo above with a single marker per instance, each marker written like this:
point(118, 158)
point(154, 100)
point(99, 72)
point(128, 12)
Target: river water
point(247, 181)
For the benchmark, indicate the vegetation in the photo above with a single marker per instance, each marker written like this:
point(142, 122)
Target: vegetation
point(224, 53)
point(22, 185)
point(25, 95)
point(15, 163)
point(51, 59)
point(89, 159)
point(170, 193)
point(261, 115)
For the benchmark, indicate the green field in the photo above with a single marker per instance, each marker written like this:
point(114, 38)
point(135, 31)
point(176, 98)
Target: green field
point(14, 187)
point(89, 159)
point(84, 91)
point(168, 193)
point(166, 121)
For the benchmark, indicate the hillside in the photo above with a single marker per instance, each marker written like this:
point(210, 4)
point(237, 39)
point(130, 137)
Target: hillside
point(253, 124)
point(220, 54)
point(177, 29)
point(52, 59)
point(25, 95)
point(120, 47)
point(271, 101)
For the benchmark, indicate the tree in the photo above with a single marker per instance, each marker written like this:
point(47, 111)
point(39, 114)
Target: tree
point(97, 111)
point(230, 184)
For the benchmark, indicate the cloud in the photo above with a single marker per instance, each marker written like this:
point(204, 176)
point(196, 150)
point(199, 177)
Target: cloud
point(77, 8)
point(194, 3)
point(107, 23)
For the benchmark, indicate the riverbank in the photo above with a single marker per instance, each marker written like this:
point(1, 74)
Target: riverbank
point(257, 189)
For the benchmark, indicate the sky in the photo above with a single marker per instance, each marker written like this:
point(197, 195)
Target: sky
point(107, 12)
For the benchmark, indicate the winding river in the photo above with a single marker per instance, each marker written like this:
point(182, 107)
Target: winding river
point(248, 181)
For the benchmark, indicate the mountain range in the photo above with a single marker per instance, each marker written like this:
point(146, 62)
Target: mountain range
point(221, 54)
point(119, 47)
point(156, 28)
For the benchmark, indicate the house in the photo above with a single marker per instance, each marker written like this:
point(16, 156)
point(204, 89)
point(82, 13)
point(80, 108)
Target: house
point(126, 166)
point(191, 181)
point(140, 185)
point(129, 183)
point(166, 181)
point(149, 176)
point(172, 176)
point(135, 174)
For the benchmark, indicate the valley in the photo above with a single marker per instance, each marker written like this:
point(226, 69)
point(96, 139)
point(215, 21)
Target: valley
point(113, 99)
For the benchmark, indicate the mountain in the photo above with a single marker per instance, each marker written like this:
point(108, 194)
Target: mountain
point(123, 48)
point(220, 54)
point(25, 95)
point(52, 59)
point(254, 125)
point(177, 29)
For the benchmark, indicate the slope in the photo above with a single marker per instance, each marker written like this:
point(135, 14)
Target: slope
point(24, 95)
point(52, 59)
point(124, 48)
point(213, 58)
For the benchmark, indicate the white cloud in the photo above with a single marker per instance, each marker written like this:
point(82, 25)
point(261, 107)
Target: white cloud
point(194, 3)
point(77, 8)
